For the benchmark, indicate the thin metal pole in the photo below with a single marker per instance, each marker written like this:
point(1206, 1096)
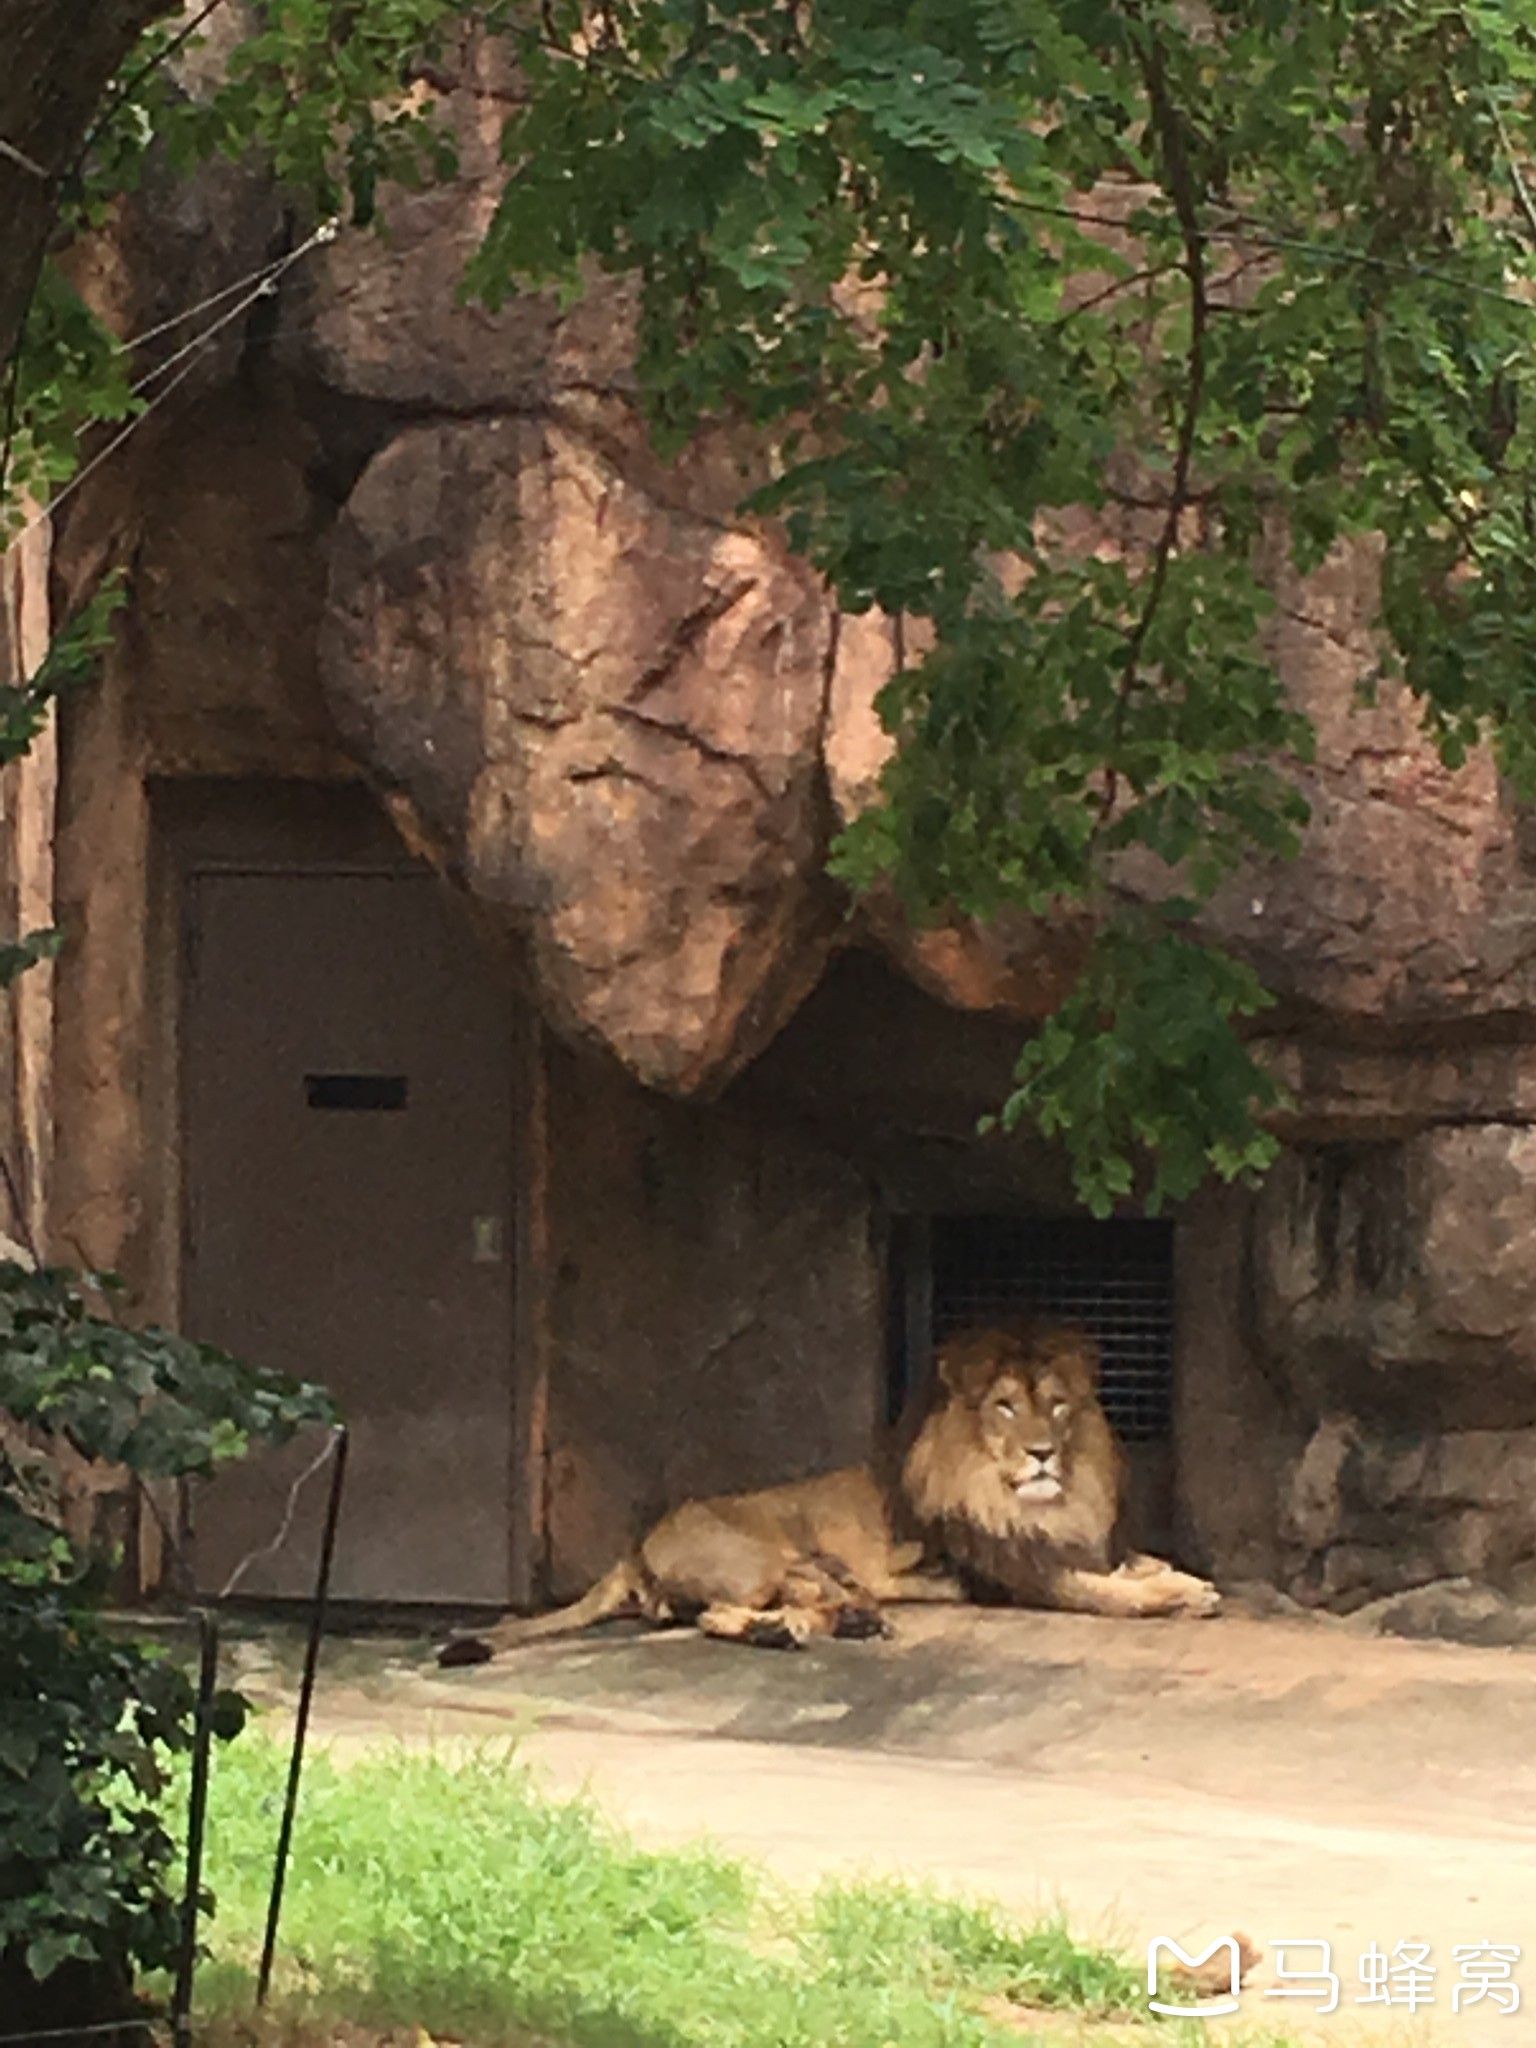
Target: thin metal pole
point(301, 1724)
point(197, 1820)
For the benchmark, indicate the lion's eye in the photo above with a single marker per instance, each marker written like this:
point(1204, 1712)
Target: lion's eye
point(1005, 1408)
point(1061, 1408)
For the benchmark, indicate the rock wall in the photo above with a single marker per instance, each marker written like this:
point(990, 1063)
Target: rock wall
point(1410, 917)
point(212, 672)
point(716, 1310)
point(1393, 1296)
point(387, 535)
point(610, 656)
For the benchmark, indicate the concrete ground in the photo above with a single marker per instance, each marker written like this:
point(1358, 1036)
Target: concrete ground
point(1287, 1778)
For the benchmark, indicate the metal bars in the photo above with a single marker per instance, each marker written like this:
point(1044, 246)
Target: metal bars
point(1114, 1279)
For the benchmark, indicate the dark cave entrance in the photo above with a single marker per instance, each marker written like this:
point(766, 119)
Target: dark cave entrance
point(1115, 1279)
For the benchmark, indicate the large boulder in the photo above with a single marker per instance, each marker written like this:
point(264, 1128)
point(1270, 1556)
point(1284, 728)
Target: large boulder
point(608, 711)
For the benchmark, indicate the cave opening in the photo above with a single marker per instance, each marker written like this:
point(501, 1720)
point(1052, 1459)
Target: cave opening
point(1115, 1279)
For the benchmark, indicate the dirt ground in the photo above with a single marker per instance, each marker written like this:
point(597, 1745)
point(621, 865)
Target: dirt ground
point(1187, 1779)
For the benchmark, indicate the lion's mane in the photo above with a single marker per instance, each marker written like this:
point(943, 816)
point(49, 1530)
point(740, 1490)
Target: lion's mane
point(958, 1495)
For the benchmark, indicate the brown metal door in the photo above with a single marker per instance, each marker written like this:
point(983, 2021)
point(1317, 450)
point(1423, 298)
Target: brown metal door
point(346, 1054)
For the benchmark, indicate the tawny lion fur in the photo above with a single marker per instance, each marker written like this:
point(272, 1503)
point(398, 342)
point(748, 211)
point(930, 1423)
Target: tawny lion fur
point(1013, 1481)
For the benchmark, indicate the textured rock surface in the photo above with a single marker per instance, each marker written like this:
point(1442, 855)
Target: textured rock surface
point(381, 317)
point(175, 269)
point(1016, 966)
point(1376, 1512)
point(1412, 907)
point(1413, 903)
point(1411, 910)
point(729, 1265)
point(227, 538)
point(1401, 1278)
point(609, 711)
point(1394, 1296)
point(1352, 1093)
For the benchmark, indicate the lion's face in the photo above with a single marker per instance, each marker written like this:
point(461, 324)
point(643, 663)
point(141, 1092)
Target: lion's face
point(1025, 1392)
point(1015, 1462)
point(1026, 1428)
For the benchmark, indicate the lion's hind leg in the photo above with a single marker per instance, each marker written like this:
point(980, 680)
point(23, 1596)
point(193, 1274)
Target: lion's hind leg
point(738, 1581)
point(815, 1597)
point(792, 1626)
point(761, 1628)
point(851, 1611)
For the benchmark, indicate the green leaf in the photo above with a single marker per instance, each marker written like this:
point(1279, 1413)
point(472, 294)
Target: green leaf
point(46, 1952)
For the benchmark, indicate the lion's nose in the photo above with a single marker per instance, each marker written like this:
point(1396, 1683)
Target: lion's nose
point(1042, 1453)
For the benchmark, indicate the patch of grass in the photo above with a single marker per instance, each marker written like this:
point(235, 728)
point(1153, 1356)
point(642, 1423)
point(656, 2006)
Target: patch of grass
point(450, 1894)
point(863, 1933)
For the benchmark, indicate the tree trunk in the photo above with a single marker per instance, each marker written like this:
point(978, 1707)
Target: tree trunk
point(59, 57)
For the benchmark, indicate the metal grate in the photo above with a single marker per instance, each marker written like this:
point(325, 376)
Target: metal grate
point(1114, 1279)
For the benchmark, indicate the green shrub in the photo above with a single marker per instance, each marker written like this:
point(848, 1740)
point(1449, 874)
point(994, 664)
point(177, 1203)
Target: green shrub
point(88, 1723)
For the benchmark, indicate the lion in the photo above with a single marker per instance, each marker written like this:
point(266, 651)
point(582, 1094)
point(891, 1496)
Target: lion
point(1016, 1478)
point(1013, 1481)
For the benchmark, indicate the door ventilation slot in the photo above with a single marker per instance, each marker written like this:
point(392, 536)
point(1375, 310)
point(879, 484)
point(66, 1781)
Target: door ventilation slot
point(355, 1091)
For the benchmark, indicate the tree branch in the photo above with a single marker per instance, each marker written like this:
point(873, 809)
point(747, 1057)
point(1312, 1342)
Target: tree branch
point(60, 59)
point(1112, 290)
point(1168, 127)
point(130, 85)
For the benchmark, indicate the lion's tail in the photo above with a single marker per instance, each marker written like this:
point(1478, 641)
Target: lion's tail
point(612, 1595)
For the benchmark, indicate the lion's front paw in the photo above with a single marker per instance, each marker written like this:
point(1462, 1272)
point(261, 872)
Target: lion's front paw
point(1197, 1598)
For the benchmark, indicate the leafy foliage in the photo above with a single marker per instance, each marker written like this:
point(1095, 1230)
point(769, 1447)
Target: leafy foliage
point(1067, 323)
point(1139, 1062)
point(143, 1397)
point(71, 658)
point(86, 1723)
point(1065, 326)
point(319, 91)
point(1072, 330)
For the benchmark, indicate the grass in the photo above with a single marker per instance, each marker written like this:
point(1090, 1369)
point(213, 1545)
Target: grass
point(449, 1894)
